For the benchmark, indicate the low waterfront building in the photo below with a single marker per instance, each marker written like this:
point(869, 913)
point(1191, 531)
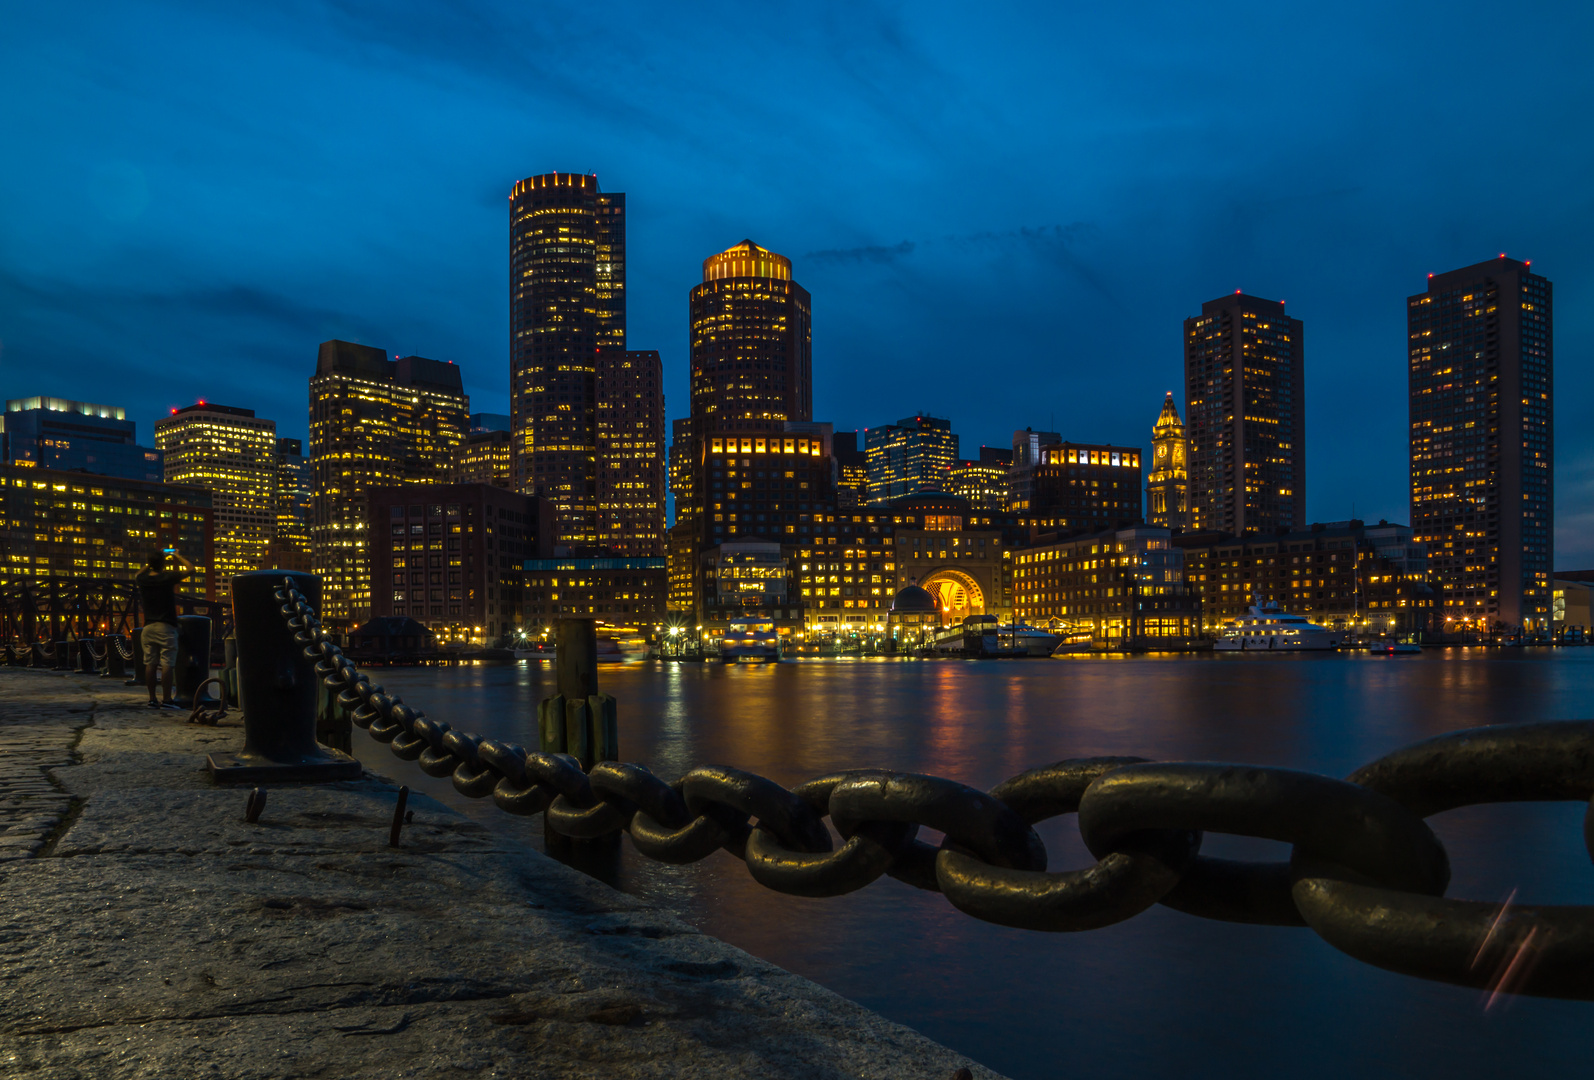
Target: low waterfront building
point(1119, 588)
point(1571, 592)
point(914, 619)
point(1343, 575)
point(629, 591)
point(55, 433)
point(961, 556)
point(450, 556)
point(84, 525)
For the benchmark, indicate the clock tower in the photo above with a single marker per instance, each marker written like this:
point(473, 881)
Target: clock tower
point(1168, 481)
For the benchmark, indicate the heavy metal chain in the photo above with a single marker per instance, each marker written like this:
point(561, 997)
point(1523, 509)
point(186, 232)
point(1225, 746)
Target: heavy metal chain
point(1366, 873)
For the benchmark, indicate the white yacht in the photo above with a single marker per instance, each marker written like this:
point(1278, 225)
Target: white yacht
point(1268, 628)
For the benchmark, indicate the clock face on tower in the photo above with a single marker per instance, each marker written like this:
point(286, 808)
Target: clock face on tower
point(1162, 451)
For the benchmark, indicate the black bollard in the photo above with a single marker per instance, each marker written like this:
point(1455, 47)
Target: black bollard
point(277, 691)
point(63, 655)
point(136, 676)
point(193, 658)
point(36, 657)
point(581, 722)
point(115, 664)
point(85, 657)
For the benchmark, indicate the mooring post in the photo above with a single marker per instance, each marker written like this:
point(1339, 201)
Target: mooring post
point(137, 675)
point(276, 691)
point(582, 722)
point(193, 658)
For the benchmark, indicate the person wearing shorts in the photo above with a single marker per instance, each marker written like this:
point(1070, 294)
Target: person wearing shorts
point(157, 591)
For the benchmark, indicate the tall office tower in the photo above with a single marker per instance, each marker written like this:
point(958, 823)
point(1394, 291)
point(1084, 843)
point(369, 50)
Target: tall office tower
point(852, 471)
point(566, 301)
point(751, 366)
point(630, 452)
point(1028, 449)
point(751, 344)
point(1482, 497)
point(290, 547)
point(1168, 485)
point(54, 433)
point(1244, 373)
point(983, 480)
point(914, 455)
point(232, 454)
point(374, 422)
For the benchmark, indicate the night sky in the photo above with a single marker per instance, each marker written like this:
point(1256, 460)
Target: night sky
point(1003, 212)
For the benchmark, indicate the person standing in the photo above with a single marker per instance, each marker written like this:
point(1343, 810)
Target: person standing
point(157, 590)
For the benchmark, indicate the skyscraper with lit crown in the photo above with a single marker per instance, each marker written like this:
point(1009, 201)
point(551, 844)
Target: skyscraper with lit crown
point(566, 301)
point(1168, 483)
point(232, 454)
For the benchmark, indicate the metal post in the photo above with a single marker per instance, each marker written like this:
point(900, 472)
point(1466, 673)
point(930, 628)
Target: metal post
point(193, 658)
point(85, 657)
point(63, 655)
point(581, 722)
point(140, 669)
point(115, 666)
point(277, 691)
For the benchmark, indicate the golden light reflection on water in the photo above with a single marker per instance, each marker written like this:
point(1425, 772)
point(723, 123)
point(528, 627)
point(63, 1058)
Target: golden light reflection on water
point(1147, 996)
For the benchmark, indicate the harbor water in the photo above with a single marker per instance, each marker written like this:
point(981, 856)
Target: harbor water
point(1164, 993)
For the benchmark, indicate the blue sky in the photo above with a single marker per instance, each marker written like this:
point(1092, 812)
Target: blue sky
point(1003, 212)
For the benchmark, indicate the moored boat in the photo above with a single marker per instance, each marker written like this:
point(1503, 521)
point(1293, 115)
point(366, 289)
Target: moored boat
point(1269, 628)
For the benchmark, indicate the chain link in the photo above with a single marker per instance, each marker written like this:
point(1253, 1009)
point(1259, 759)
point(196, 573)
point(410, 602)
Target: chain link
point(1366, 873)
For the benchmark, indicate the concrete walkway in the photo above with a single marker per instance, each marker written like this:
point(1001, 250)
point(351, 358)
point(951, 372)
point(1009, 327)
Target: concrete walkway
point(147, 931)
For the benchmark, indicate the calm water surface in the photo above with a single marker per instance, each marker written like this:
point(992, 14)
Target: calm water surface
point(1161, 994)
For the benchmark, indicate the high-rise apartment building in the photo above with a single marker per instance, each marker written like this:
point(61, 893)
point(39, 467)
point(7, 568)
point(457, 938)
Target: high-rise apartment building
point(983, 480)
point(54, 433)
point(1168, 484)
point(374, 422)
point(630, 452)
point(1244, 369)
point(231, 453)
point(913, 456)
point(290, 546)
point(1480, 374)
point(566, 301)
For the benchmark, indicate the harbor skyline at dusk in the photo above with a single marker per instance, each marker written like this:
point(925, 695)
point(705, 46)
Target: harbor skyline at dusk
point(954, 196)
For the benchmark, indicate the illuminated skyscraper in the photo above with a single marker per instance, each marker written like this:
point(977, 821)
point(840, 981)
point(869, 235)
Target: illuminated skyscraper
point(1481, 352)
point(232, 454)
point(566, 301)
point(1244, 372)
point(374, 422)
point(751, 346)
point(484, 458)
point(1168, 486)
point(913, 455)
point(290, 546)
point(630, 452)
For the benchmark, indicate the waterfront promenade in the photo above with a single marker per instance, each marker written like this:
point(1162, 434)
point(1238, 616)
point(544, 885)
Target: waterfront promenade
point(149, 931)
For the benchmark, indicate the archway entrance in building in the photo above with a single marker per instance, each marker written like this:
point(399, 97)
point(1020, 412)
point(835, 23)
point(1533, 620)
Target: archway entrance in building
point(957, 595)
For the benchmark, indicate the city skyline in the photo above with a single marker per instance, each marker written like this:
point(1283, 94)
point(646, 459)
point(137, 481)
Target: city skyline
point(1328, 216)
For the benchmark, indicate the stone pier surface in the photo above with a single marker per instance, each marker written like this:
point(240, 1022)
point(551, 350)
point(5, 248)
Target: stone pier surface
point(147, 931)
